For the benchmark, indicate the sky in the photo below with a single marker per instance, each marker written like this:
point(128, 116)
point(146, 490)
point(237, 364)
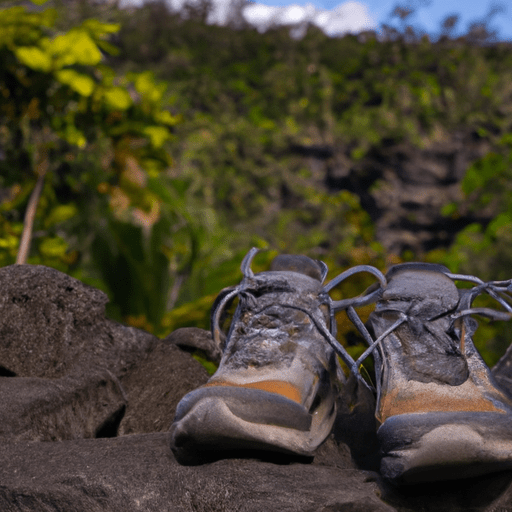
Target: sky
point(428, 16)
point(339, 16)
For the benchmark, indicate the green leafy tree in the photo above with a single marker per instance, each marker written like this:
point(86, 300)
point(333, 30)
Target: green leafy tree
point(84, 166)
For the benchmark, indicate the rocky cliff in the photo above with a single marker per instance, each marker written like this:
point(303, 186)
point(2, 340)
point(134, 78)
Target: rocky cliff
point(404, 188)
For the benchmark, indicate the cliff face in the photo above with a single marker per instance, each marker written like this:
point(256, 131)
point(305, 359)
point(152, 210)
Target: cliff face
point(404, 188)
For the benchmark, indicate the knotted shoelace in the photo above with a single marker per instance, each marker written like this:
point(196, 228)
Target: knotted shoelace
point(250, 286)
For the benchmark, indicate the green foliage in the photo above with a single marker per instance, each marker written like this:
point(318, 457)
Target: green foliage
point(109, 213)
point(169, 147)
point(485, 249)
point(248, 99)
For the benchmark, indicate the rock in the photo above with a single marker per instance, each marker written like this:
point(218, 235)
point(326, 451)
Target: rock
point(61, 359)
point(156, 385)
point(488, 493)
point(51, 323)
point(75, 406)
point(355, 426)
point(194, 339)
point(404, 187)
point(77, 371)
point(138, 473)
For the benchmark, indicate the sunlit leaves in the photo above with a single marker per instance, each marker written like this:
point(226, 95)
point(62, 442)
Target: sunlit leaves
point(165, 117)
point(53, 247)
point(34, 57)
point(79, 82)
point(20, 27)
point(96, 138)
point(61, 213)
point(158, 135)
point(146, 86)
point(74, 47)
point(117, 98)
point(99, 29)
point(74, 136)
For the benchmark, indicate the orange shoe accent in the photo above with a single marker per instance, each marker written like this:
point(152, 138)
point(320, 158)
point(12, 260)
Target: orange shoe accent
point(407, 401)
point(272, 386)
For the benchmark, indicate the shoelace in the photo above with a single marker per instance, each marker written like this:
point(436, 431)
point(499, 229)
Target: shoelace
point(498, 290)
point(251, 285)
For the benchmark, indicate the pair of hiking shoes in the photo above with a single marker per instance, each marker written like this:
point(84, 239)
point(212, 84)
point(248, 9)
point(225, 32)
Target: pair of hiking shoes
point(439, 413)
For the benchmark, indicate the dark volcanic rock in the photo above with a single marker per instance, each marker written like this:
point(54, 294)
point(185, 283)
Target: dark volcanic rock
point(75, 406)
point(138, 473)
point(60, 360)
point(51, 323)
point(156, 385)
point(194, 339)
point(488, 493)
point(502, 371)
point(355, 425)
point(75, 373)
point(403, 187)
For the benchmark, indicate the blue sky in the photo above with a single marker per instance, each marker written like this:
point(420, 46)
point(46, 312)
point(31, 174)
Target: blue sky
point(428, 17)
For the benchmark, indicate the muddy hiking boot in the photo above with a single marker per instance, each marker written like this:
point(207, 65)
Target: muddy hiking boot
point(275, 389)
point(441, 414)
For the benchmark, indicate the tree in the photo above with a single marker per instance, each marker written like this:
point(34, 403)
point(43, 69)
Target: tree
point(83, 152)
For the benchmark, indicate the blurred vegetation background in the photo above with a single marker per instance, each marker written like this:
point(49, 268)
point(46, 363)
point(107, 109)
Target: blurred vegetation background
point(144, 152)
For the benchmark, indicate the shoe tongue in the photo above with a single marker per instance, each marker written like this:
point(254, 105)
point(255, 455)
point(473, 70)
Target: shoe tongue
point(419, 283)
point(297, 263)
point(416, 265)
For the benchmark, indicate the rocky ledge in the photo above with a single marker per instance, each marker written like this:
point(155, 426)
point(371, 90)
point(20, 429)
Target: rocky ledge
point(86, 405)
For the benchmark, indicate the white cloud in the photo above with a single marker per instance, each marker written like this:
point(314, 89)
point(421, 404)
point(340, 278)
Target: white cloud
point(261, 16)
point(221, 12)
point(347, 17)
point(293, 14)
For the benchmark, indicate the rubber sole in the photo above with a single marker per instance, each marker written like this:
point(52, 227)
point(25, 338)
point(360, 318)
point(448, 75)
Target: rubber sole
point(213, 419)
point(427, 447)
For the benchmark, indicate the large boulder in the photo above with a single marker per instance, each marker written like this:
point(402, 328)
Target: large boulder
point(81, 405)
point(67, 371)
point(51, 324)
point(156, 385)
point(139, 473)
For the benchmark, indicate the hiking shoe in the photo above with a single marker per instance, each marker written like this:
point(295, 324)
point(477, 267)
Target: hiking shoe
point(276, 385)
point(442, 416)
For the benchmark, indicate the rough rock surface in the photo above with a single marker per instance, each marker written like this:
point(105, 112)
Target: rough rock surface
point(71, 407)
point(51, 323)
point(502, 371)
point(156, 385)
point(403, 187)
point(135, 473)
point(192, 339)
point(75, 374)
